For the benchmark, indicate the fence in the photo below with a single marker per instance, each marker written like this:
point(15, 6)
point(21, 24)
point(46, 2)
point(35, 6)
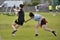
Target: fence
point(26, 9)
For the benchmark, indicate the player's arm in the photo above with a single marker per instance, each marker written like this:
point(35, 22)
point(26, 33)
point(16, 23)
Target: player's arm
point(27, 20)
point(16, 10)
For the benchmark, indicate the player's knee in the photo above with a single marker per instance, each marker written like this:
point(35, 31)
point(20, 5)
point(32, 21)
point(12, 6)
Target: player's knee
point(36, 27)
point(44, 28)
point(13, 24)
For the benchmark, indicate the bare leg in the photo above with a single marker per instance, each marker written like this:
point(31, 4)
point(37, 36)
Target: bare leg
point(36, 29)
point(14, 26)
point(47, 29)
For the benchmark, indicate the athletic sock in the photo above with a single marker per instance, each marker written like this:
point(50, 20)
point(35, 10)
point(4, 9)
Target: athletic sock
point(14, 31)
point(54, 33)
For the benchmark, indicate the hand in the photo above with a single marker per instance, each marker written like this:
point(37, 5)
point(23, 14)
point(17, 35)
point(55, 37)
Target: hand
point(27, 20)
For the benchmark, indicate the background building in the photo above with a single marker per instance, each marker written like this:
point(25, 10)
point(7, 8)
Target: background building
point(28, 1)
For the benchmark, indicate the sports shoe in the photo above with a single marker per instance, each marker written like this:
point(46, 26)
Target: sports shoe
point(36, 34)
point(13, 35)
point(54, 33)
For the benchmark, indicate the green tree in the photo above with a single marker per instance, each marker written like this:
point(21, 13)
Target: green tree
point(35, 0)
point(33, 3)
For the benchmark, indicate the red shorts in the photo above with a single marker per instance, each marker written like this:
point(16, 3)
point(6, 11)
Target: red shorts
point(43, 21)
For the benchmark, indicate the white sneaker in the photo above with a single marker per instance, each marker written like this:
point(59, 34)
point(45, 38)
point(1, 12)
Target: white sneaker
point(13, 35)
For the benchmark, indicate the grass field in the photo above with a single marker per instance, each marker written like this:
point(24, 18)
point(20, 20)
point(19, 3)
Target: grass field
point(26, 32)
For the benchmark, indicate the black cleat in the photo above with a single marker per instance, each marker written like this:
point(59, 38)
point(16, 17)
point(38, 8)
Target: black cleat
point(54, 33)
point(36, 34)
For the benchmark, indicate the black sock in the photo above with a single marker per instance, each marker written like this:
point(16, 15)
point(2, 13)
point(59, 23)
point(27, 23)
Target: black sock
point(54, 33)
point(14, 31)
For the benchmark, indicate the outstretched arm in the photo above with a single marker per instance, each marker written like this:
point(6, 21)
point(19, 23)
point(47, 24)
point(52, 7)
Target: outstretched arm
point(27, 20)
point(15, 9)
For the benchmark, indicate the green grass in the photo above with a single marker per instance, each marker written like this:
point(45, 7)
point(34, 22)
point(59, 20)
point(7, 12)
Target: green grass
point(26, 32)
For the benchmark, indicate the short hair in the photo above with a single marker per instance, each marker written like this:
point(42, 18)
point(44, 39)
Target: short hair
point(31, 14)
point(21, 5)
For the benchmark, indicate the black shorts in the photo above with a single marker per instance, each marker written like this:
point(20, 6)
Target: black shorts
point(50, 10)
point(56, 10)
point(43, 21)
point(19, 22)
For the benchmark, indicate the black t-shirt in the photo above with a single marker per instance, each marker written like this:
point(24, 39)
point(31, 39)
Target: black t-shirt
point(21, 15)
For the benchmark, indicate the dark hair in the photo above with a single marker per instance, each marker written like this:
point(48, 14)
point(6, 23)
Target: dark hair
point(14, 6)
point(31, 14)
point(21, 5)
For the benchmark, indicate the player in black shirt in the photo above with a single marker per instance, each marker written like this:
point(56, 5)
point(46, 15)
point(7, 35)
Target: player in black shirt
point(20, 20)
